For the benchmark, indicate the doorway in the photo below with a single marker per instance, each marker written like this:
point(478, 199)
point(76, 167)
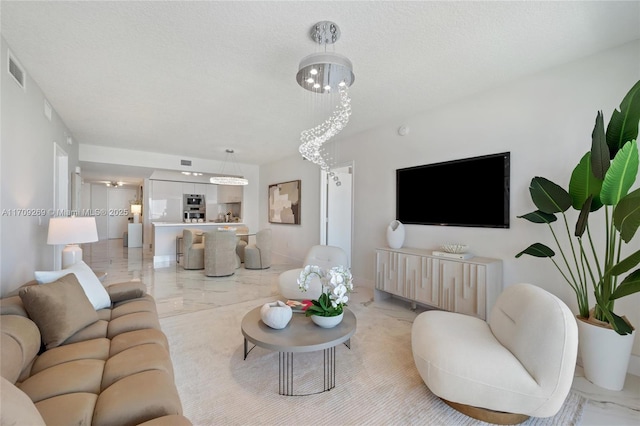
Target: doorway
point(336, 228)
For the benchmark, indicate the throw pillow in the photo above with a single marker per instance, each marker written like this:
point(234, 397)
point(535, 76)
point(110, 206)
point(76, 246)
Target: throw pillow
point(59, 309)
point(92, 286)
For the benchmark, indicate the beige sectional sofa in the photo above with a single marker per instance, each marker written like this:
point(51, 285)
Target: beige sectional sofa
point(64, 363)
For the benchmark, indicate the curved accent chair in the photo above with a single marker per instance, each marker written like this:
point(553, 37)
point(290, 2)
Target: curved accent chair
point(193, 249)
point(518, 364)
point(323, 256)
point(220, 253)
point(258, 255)
point(243, 241)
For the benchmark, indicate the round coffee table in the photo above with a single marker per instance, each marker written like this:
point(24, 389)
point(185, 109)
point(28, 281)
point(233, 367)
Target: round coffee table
point(300, 335)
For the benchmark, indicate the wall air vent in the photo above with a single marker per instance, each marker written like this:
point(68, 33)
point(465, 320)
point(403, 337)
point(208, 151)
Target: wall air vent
point(16, 71)
point(185, 162)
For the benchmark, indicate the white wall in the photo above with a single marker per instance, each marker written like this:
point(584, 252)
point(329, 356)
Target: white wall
point(545, 121)
point(291, 242)
point(26, 176)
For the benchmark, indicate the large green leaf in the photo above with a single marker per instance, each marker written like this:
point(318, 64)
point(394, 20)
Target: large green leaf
point(630, 285)
point(599, 149)
point(617, 323)
point(539, 217)
point(621, 175)
point(626, 216)
point(626, 264)
point(583, 218)
point(537, 250)
point(548, 196)
point(620, 325)
point(584, 184)
point(623, 125)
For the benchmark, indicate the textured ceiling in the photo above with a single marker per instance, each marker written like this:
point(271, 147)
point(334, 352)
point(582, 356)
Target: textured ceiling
point(194, 78)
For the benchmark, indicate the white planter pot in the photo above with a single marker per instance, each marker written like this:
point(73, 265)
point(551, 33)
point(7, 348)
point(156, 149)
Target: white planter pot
point(395, 234)
point(276, 315)
point(605, 355)
point(327, 322)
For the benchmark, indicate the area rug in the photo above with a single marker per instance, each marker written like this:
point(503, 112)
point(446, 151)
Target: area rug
point(376, 380)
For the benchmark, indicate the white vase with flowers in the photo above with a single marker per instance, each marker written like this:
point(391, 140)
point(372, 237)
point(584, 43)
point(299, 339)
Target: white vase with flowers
point(337, 283)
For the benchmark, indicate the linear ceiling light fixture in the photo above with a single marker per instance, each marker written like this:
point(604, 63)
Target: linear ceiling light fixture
point(325, 73)
point(226, 179)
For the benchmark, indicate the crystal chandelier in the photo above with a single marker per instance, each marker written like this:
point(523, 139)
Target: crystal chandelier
point(226, 179)
point(325, 73)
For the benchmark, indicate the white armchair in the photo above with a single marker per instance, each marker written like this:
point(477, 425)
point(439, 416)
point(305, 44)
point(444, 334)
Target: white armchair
point(323, 256)
point(519, 364)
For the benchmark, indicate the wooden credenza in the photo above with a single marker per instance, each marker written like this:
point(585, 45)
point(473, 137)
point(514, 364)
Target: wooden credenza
point(468, 286)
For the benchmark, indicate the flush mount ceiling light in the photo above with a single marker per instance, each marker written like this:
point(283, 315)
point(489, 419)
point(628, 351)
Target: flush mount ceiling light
point(324, 73)
point(114, 184)
point(226, 179)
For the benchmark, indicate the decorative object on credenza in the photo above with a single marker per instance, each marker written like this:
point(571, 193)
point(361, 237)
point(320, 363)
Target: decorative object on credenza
point(337, 282)
point(395, 234)
point(276, 315)
point(325, 73)
point(284, 202)
point(603, 177)
point(226, 178)
point(72, 231)
point(455, 248)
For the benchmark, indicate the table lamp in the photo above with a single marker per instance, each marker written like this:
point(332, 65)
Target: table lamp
point(72, 231)
point(136, 209)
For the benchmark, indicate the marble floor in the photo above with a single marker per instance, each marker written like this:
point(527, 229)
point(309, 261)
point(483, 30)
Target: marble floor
point(179, 291)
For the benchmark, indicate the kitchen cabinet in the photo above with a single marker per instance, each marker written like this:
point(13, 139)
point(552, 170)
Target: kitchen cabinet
point(230, 194)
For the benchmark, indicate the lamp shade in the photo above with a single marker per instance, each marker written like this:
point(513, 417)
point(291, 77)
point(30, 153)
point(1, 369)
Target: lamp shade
point(72, 230)
point(136, 208)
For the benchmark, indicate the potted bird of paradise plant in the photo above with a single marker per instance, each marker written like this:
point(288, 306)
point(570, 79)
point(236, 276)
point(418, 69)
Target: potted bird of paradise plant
point(599, 188)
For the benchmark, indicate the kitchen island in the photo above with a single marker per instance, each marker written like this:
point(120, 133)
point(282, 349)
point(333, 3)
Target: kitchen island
point(165, 235)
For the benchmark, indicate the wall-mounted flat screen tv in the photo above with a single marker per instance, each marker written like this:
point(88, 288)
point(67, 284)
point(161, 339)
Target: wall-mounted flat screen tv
point(470, 192)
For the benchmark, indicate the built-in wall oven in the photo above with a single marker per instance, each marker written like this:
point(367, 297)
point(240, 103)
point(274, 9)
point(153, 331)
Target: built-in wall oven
point(195, 208)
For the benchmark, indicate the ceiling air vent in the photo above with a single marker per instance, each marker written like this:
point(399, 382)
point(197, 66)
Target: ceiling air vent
point(185, 162)
point(16, 71)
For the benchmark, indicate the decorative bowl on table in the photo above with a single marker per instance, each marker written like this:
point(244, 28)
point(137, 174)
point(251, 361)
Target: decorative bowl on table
point(455, 248)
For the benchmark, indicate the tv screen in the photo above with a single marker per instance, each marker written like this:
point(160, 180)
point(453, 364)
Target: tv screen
point(470, 192)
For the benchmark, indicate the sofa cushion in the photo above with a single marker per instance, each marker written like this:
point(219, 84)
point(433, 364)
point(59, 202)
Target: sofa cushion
point(92, 286)
point(95, 330)
point(130, 339)
point(59, 309)
point(68, 409)
point(17, 408)
point(126, 291)
point(83, 375)
point(170, 420)
point(135, 360)
point(89, 349)
point(19, 345)
point(12, 305)
point(136, 399)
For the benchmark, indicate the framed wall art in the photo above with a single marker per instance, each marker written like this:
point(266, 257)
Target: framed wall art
point(284, 202)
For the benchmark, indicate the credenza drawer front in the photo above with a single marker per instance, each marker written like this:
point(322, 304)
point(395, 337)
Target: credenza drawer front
point(468, 286)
